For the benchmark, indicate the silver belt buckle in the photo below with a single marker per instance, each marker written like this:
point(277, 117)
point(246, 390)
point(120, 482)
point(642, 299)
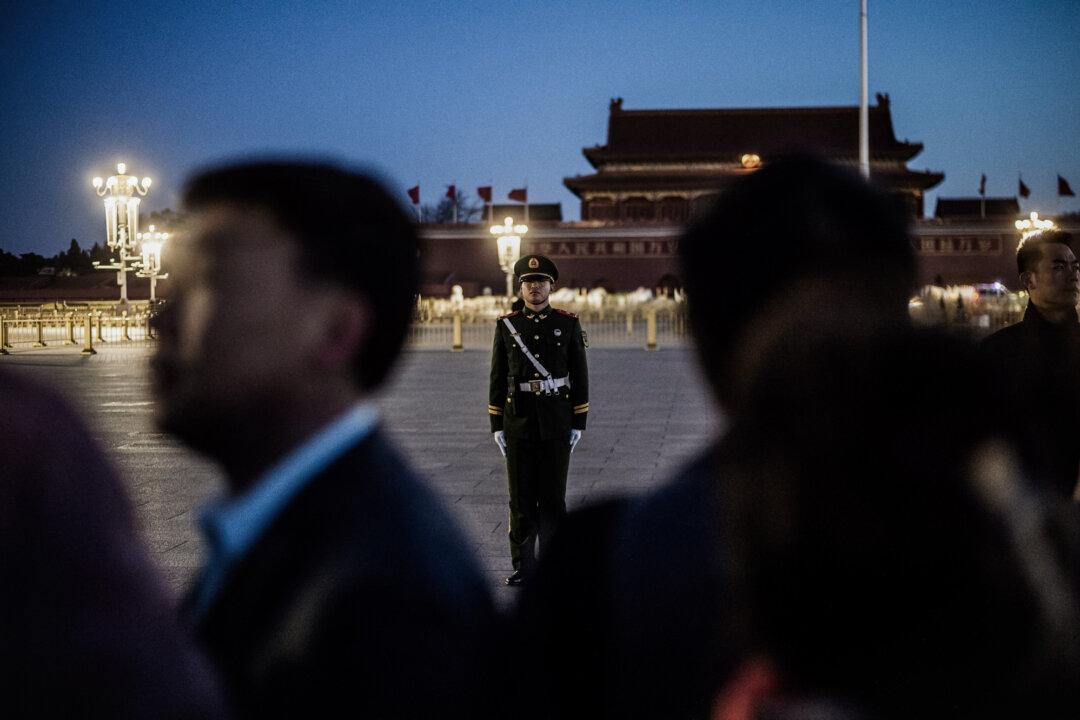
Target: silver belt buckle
point(534, 385)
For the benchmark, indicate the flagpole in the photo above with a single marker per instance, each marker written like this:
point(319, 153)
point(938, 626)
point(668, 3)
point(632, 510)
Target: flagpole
point(454, 201)
point(526, 201)
point(864, 109)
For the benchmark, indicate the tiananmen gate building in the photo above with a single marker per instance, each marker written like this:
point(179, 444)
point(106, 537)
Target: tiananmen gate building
point(658, 168)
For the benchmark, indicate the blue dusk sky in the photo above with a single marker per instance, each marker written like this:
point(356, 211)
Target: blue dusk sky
point(485, 93)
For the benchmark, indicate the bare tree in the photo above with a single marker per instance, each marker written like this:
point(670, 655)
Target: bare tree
point(468, 210)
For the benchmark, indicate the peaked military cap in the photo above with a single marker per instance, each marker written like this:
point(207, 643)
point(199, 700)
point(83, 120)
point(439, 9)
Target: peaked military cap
point(533, 265)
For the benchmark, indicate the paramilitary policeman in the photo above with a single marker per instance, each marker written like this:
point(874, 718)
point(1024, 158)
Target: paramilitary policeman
point(538, 401)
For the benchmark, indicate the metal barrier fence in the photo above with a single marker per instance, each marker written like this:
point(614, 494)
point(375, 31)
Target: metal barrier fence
point(610, 320)
point(624, 321)
point(44, 329)
point(17, 310)
point(647, 328)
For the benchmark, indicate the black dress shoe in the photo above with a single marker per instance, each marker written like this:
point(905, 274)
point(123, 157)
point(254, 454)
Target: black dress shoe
point(517, 578)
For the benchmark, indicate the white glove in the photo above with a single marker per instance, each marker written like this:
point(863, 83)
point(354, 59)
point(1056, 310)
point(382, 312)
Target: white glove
point(575, 436)
point(500, 439)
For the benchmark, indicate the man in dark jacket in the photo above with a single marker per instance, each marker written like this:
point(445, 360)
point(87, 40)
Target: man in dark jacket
point(336, 583)
point(1038, 362)
point(538, 401)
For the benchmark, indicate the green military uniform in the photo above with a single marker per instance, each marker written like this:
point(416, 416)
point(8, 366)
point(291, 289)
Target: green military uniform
point(537, 413)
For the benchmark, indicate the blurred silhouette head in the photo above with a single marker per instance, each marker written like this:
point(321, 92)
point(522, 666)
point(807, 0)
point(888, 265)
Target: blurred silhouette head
point(290, 295)
point(795, 217)
point(888, 552)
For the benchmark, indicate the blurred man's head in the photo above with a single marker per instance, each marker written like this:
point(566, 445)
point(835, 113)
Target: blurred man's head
point(793, 218)
point(1049, 271)
point(887, 551)
point(290, 297)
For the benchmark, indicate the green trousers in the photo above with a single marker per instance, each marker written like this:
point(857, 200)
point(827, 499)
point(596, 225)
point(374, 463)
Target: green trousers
point(536, 470)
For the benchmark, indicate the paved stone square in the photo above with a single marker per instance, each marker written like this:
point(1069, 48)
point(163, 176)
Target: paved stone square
point(649, 412)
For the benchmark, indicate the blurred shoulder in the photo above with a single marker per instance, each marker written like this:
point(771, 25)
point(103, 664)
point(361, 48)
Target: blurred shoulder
point(1005, 338)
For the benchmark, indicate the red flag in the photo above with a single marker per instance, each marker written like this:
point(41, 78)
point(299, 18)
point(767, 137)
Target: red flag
point(1063, 188)
point(519, 194)
point(982, 185)
point(484, 193)
point(414, 194)
point(451, 192)
point(1023, 189)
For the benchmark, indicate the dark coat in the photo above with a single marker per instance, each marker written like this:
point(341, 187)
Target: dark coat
point(563, 619)
point(1036, 367)
point(628, 614)
point(87, 628)
point(673, 617)
point(557, 341)
point(361, 595)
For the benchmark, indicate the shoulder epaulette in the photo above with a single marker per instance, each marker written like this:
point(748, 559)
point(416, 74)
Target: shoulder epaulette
point(510, 314)
point(567, 313)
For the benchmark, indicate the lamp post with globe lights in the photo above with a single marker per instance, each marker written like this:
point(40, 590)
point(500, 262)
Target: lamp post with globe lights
point(509, 246)
point(152, 242)
point(1033, 225)
point(120, 193)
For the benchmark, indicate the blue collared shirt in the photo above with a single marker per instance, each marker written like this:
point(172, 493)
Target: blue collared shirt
point(232, 525)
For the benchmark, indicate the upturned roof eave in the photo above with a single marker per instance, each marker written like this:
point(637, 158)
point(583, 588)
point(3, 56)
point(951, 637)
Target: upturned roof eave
point(901, 178)
point(594, 155)
point(601, 155)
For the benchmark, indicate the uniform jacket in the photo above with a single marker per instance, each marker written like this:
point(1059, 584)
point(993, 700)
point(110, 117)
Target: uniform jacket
point(557, 341)
point(361, 595)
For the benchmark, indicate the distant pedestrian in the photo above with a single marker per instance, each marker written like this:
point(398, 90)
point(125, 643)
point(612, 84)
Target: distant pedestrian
point(336, 583)
point(538, 402)
point(1037, 363)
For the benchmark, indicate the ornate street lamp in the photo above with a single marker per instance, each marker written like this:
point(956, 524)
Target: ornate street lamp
point(121, 220)
point(509, 246)
point(1033, 225)
point(152, 242)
